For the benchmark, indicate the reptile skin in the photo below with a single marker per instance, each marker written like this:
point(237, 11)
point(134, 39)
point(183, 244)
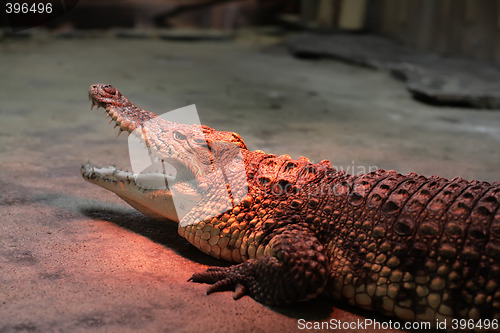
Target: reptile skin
point(408, 246)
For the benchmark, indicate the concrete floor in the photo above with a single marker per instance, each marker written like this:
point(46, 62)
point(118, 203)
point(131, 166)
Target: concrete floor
point(74, 257)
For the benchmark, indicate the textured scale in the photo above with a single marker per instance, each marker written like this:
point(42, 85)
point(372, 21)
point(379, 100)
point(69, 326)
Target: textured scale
point(409, 246)
point(405, 245)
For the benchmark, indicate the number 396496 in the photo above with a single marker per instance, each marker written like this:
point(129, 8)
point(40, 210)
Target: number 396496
point(28, 8)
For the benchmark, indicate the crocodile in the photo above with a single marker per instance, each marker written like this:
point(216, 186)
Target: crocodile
point(407, 246)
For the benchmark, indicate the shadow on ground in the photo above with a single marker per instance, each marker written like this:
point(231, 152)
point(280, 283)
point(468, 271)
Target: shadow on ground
point(319, 309)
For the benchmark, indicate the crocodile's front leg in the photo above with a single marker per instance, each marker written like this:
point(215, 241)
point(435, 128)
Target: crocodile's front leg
point(293, 268)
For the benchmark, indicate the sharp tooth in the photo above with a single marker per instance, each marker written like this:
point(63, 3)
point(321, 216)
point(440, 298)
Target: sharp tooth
point(120, 132)
point(92, 107)
point(110, 121)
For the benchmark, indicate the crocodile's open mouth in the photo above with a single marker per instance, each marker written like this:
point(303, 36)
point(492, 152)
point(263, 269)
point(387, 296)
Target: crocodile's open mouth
point(160, 187)
point(160, 174)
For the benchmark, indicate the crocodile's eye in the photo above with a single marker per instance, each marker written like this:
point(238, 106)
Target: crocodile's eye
point(179, 136)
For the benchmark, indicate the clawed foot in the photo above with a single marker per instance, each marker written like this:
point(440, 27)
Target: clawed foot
point(223, 279)
point(300, 273)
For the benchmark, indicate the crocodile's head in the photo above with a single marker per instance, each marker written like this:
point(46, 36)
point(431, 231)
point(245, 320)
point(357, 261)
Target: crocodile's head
point(150, 192)
point(194, 152)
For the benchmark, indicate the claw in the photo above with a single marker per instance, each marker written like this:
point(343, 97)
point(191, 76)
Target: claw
point(224, 279)
point(222, 285)
point(239, 291)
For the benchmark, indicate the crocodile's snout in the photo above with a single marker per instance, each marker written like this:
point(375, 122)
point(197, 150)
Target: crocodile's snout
point(126, 115)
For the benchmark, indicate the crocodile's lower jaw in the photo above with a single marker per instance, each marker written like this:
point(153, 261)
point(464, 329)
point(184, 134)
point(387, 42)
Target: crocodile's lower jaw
point(155, 203)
